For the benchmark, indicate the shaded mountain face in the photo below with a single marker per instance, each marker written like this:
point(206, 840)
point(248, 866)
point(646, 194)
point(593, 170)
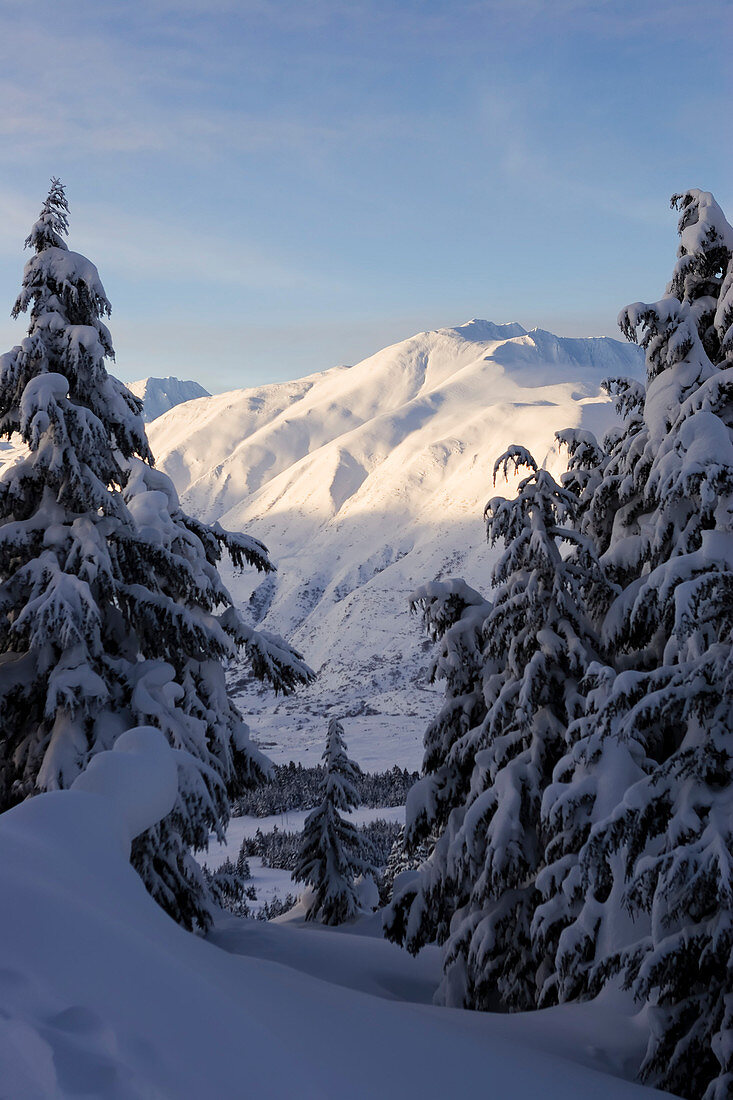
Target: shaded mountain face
point(364, 482)
point(161, 394)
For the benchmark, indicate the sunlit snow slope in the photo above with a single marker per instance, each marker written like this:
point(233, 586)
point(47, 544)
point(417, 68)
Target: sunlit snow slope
point(366, 481)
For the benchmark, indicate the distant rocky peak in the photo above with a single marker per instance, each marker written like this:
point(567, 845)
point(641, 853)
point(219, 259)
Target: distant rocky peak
point(161, 394)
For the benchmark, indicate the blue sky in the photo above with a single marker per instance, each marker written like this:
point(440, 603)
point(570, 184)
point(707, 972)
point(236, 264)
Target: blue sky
point(269, 188)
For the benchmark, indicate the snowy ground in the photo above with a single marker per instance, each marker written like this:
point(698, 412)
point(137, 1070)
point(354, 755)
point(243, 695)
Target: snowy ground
point(102, 995)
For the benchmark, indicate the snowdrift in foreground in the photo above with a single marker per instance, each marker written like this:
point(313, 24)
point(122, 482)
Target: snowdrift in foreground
point(102, 994)
point(365, 482)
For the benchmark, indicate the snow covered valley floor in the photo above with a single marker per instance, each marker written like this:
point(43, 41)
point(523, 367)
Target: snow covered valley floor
point(102, 995)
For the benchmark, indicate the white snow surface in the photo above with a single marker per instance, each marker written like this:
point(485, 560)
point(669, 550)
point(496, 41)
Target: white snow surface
point(139, 777)
point(161, 394)
point(365, 482)
point(102, 995)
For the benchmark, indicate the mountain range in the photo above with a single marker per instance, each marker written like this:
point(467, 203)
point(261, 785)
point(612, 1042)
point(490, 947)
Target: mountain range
point(158, 395)
point(364, 482)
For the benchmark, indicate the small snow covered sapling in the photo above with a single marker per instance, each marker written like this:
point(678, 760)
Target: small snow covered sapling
point(330, 854)
point(112, 611)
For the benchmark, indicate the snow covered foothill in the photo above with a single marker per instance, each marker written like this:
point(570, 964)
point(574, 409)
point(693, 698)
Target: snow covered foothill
point(102, 994)
point(363, 481)
point(158, 395)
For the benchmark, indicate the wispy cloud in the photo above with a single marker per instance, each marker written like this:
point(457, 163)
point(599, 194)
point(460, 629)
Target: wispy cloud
point(144, 248)
point(330, 156)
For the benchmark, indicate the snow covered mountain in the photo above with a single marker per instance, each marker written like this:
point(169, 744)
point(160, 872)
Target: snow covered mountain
point(366, 481)
point(161, 394)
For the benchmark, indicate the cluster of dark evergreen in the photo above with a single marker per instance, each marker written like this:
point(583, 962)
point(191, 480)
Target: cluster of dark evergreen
point(378, 839)
point(578, 781)
point(276, 907)
point(281, 849)
point(293, 787)
point(232, 889)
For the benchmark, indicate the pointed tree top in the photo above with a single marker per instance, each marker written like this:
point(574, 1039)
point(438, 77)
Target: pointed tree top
point(341, 772)
point(335, 744)
point(53, 221)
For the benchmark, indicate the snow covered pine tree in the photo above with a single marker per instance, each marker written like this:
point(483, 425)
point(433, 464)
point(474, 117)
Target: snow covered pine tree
point(329, 858)
point(594, 773)
point(112, 612)
point(539, 645)
point(661, 733)
point(535, 646)
point(675, 826)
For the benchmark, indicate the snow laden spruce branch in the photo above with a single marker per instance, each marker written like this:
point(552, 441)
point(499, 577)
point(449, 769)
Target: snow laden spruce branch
point(112, 611)
point(578, 780)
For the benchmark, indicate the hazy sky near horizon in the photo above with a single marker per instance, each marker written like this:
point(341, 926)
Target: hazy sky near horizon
point(270, 187)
